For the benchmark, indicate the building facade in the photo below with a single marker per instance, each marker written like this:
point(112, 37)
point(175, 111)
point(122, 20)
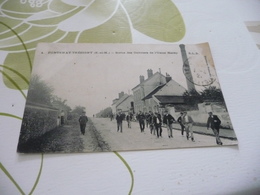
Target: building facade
point(169, 94)
point(145, 87)
point(124, 102)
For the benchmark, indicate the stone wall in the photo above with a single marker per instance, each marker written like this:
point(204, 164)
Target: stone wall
point(200, 116)
point(37, 120)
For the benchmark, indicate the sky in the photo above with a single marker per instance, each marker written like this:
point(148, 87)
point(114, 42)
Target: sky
point(92, 75)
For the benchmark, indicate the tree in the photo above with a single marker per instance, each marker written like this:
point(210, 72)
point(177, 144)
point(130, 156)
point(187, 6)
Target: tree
point(192, 98)
point(105, 113)
point(39, 91)
point(57, 102)
point(209, 94)
point(78, 110)
point(212, 94)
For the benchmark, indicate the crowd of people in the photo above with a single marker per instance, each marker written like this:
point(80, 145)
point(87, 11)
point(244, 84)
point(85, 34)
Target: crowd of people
point(154, 121)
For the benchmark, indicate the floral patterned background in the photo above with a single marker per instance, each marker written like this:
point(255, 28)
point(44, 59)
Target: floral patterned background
point(24, 23)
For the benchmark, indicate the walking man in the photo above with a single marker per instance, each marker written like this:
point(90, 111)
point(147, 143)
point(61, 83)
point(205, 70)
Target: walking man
point(181, 124)
point(214, 123)
point(168, 120)
point(83, 119)
point(141, 118)
point(151, 122)
point(157, 124)
point(147, 116)
point(160, 124)
point(188, 124)
point(119, 120)
point(129, 119)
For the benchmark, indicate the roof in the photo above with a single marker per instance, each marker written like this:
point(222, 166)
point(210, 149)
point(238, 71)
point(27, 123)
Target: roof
point(128, 96)
point(165, 99)
point(172, 88)
point(120, 100)
point(148, 96)
point(148, 79)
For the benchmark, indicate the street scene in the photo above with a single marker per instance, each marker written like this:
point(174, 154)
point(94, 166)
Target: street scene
point(101, 135)
point(133, 139)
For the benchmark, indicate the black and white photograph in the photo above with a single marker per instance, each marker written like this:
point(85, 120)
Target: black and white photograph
point(124, 97)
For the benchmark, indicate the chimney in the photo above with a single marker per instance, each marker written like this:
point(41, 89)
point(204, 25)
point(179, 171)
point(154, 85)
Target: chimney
point(121, 94)
point(186, 66)
point(141, 78)
point(168, 77)
point(149, 73)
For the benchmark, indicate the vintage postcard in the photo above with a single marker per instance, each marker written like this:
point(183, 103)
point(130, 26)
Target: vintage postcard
point(123, 97)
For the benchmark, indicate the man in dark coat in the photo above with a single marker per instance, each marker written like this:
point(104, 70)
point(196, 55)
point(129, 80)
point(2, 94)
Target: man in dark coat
point(141, 119)
point(119, 119)
point(160, 124)
point(168, 120)
point(214, 123)
point(181, 123)
point(83, 119)
point(151, 122)
point(157, 124)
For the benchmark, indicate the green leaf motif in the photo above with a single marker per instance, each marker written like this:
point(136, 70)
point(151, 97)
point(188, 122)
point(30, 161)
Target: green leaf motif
point(96, 14)
point(20, 10)
point(13, 23)
point(17, 6)
point(159, 19)
point(60, 6)
point(32, 34)
point(19, 29)
point(115, 30)
point(11, 178)
point(88, 21)
point(129, 169)
point(48, 18)
point(14, 62)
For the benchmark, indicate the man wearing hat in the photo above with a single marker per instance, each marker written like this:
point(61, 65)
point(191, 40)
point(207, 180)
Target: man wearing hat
point(181, 124)
point(141, 118)
point(83, 119)
point(168, 120)
point(214, 123)
point(119, 121)
point(157, 121)
point(188, 124)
